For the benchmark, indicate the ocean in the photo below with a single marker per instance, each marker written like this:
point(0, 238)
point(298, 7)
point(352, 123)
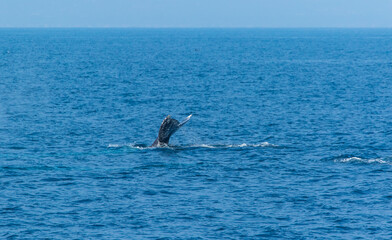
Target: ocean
point(290, 136)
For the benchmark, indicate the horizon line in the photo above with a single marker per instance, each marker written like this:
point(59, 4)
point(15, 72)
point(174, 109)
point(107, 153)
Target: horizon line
point(119, 27)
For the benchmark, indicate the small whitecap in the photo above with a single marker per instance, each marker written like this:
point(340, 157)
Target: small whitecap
point(377, 160)
point(361, 160)
point(128, 145)
point(113, 146)
point(350, 159)
point(204, 146)
point(216, 146)
point(139, 146)
point(266, 144)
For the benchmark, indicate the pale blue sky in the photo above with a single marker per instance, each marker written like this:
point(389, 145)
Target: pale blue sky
point(195, 13)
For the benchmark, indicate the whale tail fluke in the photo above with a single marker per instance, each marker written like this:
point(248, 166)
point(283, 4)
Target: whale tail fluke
point(185, 120)
point(168, 127)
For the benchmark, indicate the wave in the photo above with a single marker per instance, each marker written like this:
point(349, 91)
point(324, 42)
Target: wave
point(194, 146)
point(362, 160)
point(243, 145)
point(130, 145)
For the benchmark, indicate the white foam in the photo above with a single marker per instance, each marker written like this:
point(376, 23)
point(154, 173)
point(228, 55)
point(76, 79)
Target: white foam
point(243, 145)
point(357, 159)
point(263, 144)
point(129, 145)
point(266, 144)
point(113, 146)
point(219, 146)
point(351, 159)
point(204, 146)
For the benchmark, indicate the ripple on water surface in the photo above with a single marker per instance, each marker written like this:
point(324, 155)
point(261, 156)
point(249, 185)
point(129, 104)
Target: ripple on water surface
point(289, 139)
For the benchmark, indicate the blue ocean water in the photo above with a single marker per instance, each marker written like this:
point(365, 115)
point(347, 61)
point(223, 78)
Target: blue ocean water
point(290, 136)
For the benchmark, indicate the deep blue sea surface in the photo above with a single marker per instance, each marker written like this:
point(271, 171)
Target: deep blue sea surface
point(291, 134)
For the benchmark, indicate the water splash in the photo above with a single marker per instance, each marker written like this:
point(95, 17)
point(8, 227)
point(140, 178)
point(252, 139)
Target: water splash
point(194, 146)
point(243, 145)
point(130, 145)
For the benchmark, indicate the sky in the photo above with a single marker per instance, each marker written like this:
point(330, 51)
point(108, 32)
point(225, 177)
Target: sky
point(196, 13)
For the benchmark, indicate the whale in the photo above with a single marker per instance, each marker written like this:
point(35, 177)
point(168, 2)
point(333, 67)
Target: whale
point(168, 127)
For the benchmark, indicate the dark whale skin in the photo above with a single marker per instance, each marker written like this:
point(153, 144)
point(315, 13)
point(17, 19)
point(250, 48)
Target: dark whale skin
point(168, 127)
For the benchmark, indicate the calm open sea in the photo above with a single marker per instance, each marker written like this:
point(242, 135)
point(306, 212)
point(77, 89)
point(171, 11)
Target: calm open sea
point(290, 137)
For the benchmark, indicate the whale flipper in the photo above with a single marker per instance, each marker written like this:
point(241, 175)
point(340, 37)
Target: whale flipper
point(168, 127)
